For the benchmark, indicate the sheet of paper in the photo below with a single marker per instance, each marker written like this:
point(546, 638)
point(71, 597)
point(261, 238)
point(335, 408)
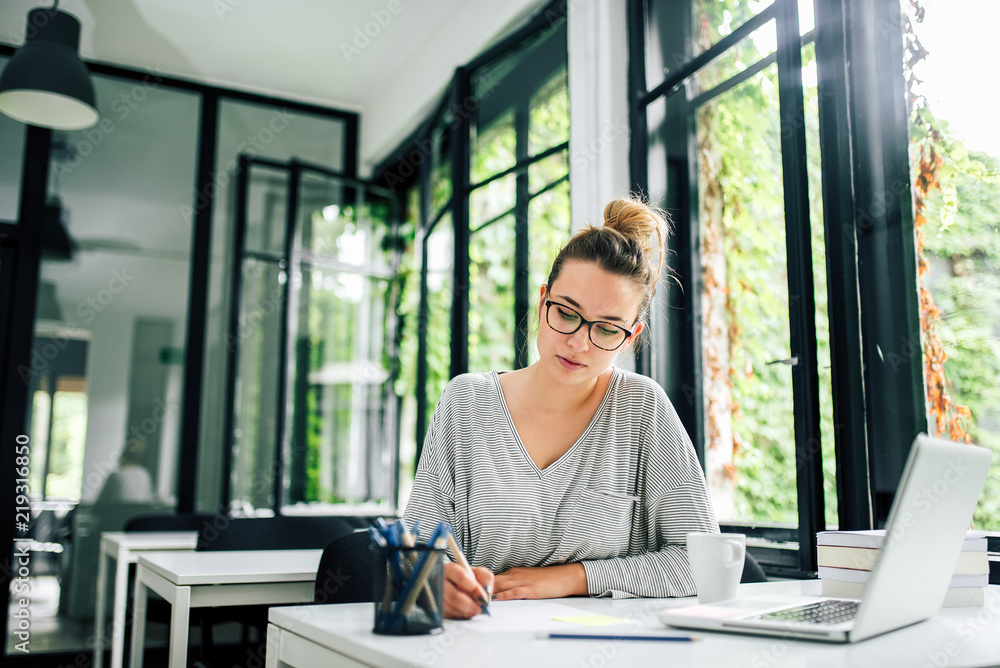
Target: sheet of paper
point(593, 620)
point(527, 616)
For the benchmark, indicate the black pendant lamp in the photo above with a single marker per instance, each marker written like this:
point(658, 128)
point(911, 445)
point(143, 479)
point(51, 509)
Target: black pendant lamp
point(45, 83)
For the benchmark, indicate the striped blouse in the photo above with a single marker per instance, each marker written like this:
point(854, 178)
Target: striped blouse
point(620, 500)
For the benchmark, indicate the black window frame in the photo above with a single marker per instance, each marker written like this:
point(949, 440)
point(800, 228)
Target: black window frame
point(868, 237)
point(450, 122)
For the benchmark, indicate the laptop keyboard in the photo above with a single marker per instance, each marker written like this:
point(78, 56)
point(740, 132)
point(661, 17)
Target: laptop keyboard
point(821, 612)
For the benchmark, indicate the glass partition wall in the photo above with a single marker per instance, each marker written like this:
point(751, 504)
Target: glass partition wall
point(106, 369)
point(124, 370)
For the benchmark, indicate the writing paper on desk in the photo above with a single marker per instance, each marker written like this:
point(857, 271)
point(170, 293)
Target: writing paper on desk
point(593, 620)
point(522, 616)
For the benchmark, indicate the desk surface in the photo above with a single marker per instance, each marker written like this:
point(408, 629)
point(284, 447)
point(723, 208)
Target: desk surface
point(954, 637)
point(236, 567)
point(151, 540)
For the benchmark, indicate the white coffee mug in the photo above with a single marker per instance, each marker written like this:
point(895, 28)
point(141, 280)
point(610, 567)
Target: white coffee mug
point(717, 564)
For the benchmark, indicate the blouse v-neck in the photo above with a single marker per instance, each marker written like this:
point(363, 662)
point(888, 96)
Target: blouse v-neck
point(615, 372)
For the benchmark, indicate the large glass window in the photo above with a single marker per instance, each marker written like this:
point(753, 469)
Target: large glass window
point(750, 436)
point(267, 132)
point(343, 421)
point(504, 220)
point(520, 152)
point(313, 418)
point(955, 165)
point(738, 299)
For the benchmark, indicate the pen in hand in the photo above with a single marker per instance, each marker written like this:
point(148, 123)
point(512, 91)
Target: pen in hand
point(460, 559)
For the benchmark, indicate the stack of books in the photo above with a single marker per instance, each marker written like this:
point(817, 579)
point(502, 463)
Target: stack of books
point(846, 559)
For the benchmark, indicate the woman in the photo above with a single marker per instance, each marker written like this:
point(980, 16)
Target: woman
point(569, 477)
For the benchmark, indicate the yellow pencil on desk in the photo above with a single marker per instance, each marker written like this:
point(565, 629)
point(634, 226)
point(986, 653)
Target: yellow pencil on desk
point(460, 559)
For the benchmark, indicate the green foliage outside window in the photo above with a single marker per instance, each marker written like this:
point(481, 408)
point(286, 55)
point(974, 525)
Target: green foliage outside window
point(491, 297)
point(548, 123)
point(962, 247)
point(440, 292)
point(743, 270)
point(492, 228)
point(343, 363)
point(957, 199)
point(69, 428)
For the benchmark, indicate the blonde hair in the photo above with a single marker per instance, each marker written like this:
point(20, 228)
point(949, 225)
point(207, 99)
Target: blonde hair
point(630, 243)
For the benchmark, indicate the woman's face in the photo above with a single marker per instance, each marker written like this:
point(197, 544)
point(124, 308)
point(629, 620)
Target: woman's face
point(595, 294)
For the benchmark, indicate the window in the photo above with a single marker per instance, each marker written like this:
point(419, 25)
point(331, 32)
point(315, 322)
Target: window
point(804, 295)
point(751, 267)
point(59, 419)
point(264, 132)
point(955, 165)
point(519, 199)
point(486, 187)
point(115, 281)
point(128, 288)
point(311, 347)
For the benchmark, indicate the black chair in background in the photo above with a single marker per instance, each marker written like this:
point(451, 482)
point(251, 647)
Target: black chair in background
point(284, 532)
point(346, 570)
point(752, 572)
point(163, 522)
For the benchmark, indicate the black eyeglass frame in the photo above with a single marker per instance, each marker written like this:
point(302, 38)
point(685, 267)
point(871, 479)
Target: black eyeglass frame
point(583, 321)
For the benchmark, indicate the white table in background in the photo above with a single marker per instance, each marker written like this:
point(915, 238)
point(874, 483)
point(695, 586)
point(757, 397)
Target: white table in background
point(341, 635)
point(210, 579)
point(124, 548)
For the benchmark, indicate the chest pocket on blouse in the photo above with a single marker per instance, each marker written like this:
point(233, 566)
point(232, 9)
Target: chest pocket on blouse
point(600, 525)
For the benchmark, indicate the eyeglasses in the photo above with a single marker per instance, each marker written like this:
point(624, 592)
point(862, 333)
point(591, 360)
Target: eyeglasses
point(604, 335)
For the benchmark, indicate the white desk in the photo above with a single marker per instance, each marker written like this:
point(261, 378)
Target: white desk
point(340, 635)
point(124, 549)
point(211, 579)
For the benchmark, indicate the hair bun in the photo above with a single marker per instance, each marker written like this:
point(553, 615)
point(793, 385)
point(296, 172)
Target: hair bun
point(644, 224)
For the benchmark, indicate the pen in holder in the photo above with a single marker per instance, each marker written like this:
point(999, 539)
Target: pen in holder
point(409, 590)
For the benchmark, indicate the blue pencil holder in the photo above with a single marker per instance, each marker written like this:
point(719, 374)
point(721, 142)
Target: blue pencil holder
point(409, 590)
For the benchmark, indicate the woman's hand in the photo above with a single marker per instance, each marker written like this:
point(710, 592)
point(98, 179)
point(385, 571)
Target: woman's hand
point(462, 593)
point(542, 582)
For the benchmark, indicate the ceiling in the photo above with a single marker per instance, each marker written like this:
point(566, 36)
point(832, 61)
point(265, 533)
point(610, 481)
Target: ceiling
point(386, 59)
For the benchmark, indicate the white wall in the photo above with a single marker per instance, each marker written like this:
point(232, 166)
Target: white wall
point(598, 101)
point(407, 99)
point(108, 358)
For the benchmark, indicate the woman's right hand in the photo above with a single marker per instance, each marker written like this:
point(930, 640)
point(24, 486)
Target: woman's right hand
point(462, 593)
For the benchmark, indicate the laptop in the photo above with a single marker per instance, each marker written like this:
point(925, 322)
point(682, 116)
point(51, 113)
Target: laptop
point(927, 523)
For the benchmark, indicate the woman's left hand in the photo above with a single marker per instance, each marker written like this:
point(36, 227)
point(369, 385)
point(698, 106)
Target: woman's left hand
point(541, 582)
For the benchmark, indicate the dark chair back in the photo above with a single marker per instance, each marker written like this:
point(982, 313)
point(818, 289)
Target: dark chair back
point(284, 532)
point(345, 573)
point(164, 522)
point(752, 572)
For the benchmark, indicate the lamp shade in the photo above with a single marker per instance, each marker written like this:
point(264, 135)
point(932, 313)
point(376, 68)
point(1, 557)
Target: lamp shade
point(46, 83)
